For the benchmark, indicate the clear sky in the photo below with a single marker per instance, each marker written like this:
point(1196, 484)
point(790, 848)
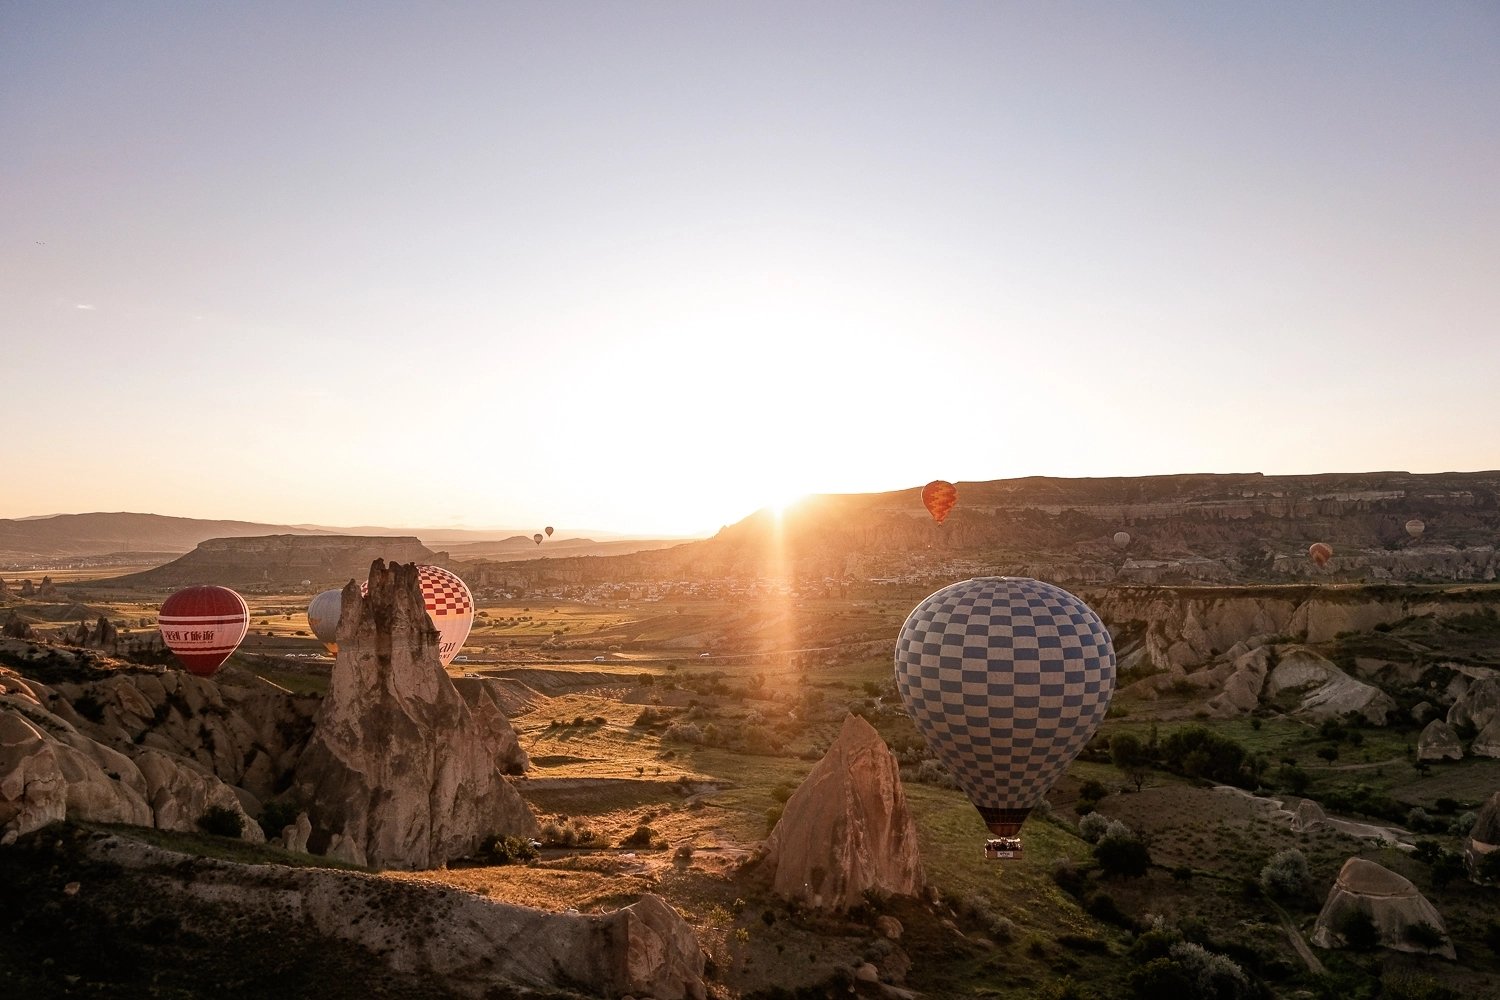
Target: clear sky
point(648, 266)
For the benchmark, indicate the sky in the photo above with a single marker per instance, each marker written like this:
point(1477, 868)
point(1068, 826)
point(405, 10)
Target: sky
point(648, 267)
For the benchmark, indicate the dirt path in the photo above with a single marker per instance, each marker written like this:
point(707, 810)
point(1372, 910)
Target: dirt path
point(1299, 943)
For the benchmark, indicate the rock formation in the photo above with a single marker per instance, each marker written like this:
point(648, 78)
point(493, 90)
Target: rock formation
point(1308, 815)
point(1439, 742)
point(433, 939)
point(1478, 705)
point(846, 829)
point(400, 772)
point(322, 560)
point(55, 763)
point(1392, 902)
point(1326, 692)
point(1484, 837)
point(27, 589)
point(47, 589)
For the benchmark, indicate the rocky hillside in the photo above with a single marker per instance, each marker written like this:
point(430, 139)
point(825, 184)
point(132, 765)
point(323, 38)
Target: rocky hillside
point(280, 561)
point(1189, 528)
point(65, 535)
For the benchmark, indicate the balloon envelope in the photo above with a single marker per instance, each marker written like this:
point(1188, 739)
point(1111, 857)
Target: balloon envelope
point(1122, 539)
point(938, 497)
point(323, 617)
point(548, 530)
point(1006, 679)
point(1320, 553)
point(537, 537)
point(203, 625)
point(1415, 527)
point(450, 606)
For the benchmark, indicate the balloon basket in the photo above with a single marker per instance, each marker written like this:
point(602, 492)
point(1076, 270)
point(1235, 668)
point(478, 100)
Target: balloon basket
point(1002, 849)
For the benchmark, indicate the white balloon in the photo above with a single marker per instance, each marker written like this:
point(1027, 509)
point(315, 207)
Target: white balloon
point(323, 617)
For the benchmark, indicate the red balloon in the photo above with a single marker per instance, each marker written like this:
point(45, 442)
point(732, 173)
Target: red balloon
point(203, 625)
point(938, 497)
point(1320, 553)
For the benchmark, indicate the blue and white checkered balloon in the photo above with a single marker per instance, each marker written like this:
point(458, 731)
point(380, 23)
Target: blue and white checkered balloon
point(1006, 678)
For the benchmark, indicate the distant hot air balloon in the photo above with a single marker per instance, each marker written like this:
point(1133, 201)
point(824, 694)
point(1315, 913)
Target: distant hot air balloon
point(548, 530)
point(1006, 679)
point(1320, 553)
point(203, 625)
point(538, 537)
point(1415, 527)
point(449, 605)
point(938, 497)
point(1122, 539)
point(323, 617)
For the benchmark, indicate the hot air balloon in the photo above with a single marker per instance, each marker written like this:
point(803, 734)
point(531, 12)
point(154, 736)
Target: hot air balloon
point(1320, 553)
point(449, 605)
point(323, 617)
point(1122, 539)
point(538, 537)
point(203, 625)
point(1006, 679)
point(1415, 527)
point(548, 530)
point(938, 497)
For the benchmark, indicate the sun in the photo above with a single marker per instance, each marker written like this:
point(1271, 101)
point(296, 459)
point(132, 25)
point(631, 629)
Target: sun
point(780, 503)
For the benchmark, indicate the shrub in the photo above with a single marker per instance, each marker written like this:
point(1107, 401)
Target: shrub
point(1091, 827)
point(277, 816)
point(498, 850)
point(684, 732)
point(1125, 856)
point(222, 822)
point(1066, 988)
point(641, 836)
point(1357, 928)
point(90, 708)
point(1424, 935)
point(1285, 874)
point(1412, 988)
point(1212, 975)
point(1102, 906)
point(1068, 878)
point(1158, 978)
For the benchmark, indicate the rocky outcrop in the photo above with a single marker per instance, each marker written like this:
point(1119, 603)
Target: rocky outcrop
point(1307, 816)
point(450, 941)
point(1391, 901)
point(846, 830)
point(400, 771)
point(1484, 837)
point(1439, 742)
point(1325, 691)
point(281, 560)
point(52, 766)
point(1478, 706)
point(33, 791)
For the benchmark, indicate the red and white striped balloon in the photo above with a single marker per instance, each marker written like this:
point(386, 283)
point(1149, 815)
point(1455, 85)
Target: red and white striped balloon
point(203, 625)
point(449, 605)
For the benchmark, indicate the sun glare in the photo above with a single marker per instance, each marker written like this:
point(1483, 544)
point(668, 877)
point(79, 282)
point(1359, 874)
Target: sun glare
point(779, 505)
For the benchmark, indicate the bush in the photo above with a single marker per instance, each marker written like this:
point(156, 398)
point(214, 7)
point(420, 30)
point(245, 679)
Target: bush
point(1125, 856)
point(1102, 906)
point(277, 816)
point(1212, 975)
point(1357, 928)
point(773, 816)
point(642, 836)
point(1091, 827)
point(1424, 935)
point(1066, 988)
point(498, 850)
point(1285, 874)
point(222, 822)
point(684, 732)
point(1412, 988)
point(90, 708)
point(1159, 978)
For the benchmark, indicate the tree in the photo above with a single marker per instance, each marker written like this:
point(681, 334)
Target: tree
point(1285, 874)
point(1128, 753)
point(1122, 854)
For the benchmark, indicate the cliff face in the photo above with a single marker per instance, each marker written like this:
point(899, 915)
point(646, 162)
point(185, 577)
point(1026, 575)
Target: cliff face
point(1184, 529)
point(280, 560)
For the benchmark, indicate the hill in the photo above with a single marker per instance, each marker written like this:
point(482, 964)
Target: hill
point(1183, 529)
point(109, 538)
point(279, 561)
